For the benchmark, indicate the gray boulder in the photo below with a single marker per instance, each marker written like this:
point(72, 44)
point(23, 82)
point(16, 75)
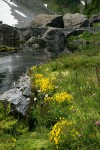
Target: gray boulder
point(19, 96)
point(94, 18)
point(75, 20)
point(43, 20)
point(55, 40)
point(8, 35)
point(36, 32)
point(0, 22)
point(33, 41)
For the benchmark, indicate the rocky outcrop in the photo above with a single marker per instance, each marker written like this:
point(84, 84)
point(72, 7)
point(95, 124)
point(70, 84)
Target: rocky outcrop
point(0, 22)
point(75, 21)
point(19, 96)
point(27, 33)
point(20, 12)
point(8, 35)
point(44, 20)
point(33, 6)
point(94, 18)
point(49, 31)
point(55, 40)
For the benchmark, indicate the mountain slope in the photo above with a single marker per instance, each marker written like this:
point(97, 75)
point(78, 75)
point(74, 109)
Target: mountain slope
point(83, 6)
point(19, 13)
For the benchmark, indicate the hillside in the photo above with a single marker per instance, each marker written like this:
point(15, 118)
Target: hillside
point(73, 6)
point(20, 13)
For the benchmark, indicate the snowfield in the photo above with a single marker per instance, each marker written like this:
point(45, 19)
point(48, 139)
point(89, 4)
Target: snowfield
point(13, 14)
point(18, 13)
point(5, 13)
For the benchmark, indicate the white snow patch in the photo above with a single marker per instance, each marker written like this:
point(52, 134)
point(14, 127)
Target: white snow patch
point(20, 13)
point(11, 3)
point(5, 14)
point(45, 5)
point(83, 3)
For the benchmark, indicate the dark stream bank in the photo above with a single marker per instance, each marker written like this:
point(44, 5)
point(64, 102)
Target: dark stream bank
point(15, 65)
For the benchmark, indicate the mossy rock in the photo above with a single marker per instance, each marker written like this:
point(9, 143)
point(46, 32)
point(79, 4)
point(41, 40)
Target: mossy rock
point(4, 48)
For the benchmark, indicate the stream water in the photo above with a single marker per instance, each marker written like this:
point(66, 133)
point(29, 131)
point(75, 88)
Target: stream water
point(15, 65)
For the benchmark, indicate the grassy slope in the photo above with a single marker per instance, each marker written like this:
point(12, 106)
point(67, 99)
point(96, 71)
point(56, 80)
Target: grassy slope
point(77, 74)
point(67, 6)
point(63, 6)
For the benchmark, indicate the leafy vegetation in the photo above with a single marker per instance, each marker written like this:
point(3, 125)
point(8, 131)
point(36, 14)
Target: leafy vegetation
point(92, 8)
point(73, 6)
point(4, 48)
point(65, 114)
point(80, 41)
point(63, 6)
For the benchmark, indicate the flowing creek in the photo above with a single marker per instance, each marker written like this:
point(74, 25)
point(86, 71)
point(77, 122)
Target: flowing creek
point(15, 65)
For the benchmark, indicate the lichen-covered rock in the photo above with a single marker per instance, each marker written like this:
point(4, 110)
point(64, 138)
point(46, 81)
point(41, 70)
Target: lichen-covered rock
point(75, 20)
point(43, 20)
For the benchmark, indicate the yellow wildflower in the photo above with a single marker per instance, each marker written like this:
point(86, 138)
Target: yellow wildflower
point(38, 76)
point(63, 127)
point(48, 98)
point(44, 84)
point(63, 96)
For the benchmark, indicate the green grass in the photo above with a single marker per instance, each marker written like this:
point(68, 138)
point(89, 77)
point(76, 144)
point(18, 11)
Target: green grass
point(87, 36)
point(4, 48)
point(77, 74)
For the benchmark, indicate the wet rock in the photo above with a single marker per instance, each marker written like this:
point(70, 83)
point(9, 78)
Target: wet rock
point(19, 96)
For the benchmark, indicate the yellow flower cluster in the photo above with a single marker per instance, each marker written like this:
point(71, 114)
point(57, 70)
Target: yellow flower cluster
point(44, 84)
point(63, 96)
point(38, 76)
point(60, 129)
point(48, 99)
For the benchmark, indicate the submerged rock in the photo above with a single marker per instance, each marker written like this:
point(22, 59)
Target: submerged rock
point(19, 96)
